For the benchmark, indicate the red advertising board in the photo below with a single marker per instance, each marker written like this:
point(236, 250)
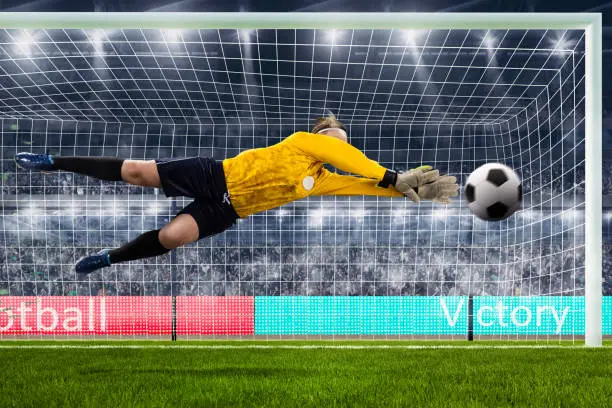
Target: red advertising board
point(215, 315)
point(126, 315)
point(85, 315)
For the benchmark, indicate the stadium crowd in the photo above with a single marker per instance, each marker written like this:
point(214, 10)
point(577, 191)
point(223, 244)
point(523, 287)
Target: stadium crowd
point(550, 269)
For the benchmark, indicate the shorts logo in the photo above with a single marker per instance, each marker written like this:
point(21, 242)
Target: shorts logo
point(226, 197)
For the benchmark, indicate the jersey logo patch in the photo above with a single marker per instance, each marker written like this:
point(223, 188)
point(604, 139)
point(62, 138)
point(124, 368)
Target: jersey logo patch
point(308, 182)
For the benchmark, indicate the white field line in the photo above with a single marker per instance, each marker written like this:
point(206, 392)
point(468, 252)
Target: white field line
point(279, 346)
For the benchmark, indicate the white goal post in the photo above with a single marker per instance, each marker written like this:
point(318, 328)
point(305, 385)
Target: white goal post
point(589, 22)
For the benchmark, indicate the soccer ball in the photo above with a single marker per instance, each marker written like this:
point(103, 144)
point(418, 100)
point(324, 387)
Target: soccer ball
point(493, 192)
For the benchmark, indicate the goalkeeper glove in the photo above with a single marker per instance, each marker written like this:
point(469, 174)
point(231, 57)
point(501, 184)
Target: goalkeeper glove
point(424, 183)
point(406, 182)
point(439, 191)
point(415, 178)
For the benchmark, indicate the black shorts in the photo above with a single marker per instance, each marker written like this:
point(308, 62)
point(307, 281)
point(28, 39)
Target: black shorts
point(201, 178)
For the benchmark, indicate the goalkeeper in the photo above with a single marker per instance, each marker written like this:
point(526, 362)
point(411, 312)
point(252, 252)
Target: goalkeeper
point(253, 181)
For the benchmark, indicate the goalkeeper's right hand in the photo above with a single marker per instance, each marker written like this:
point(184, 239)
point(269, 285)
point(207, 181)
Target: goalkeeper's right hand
point(424, 183)
point(439, 191)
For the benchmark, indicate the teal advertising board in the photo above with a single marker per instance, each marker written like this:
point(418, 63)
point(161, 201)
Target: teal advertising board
point(423, 315)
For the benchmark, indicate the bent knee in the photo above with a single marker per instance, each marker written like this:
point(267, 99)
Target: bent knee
point(130, 170)
point(141, 172)
point(173, 237)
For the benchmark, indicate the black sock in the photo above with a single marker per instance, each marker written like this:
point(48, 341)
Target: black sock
point(145, 246)
point(103, 168)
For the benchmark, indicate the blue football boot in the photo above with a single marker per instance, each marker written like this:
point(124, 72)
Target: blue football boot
point(88, 264)
point(32, 161)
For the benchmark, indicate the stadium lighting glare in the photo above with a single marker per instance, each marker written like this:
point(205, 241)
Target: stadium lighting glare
point(282, 212)
point(571, 215)
point(96, 37)
point(32, 210)
point(72, 209)
point(400, 216)
point(562, 46)
point(245, 35)
point(113, 208)
point(154, 208)
point(172, 35)
point(442, 213)
point(24, 43)
point(527, 214)
point(317, 217)
point(358, 214)
point(333, 35)
point(490, 41)
point(410, 36)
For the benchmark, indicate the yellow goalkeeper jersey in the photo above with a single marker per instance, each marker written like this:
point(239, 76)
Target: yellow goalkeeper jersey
point(265, 178)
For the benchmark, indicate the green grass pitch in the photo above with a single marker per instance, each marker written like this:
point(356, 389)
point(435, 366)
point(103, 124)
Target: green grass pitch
point(234, 374)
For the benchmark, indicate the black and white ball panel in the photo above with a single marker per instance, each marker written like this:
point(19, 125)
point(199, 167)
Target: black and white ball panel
point(493, 192)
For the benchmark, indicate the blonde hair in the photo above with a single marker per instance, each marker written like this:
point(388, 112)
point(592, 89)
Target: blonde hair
point(327, 122)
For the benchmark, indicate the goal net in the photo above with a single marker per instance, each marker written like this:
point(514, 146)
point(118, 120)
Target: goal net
point(321, 267)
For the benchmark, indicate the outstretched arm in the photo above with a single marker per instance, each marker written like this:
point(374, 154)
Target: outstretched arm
point(420, 183)
point(339, 154)
point(336, 184)
point(441, 190)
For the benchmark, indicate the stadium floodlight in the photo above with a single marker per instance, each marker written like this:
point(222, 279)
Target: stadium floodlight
point(409, 269)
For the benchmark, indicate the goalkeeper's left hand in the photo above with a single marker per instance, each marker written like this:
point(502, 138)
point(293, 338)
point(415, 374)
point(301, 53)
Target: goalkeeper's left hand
point(426, 183)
